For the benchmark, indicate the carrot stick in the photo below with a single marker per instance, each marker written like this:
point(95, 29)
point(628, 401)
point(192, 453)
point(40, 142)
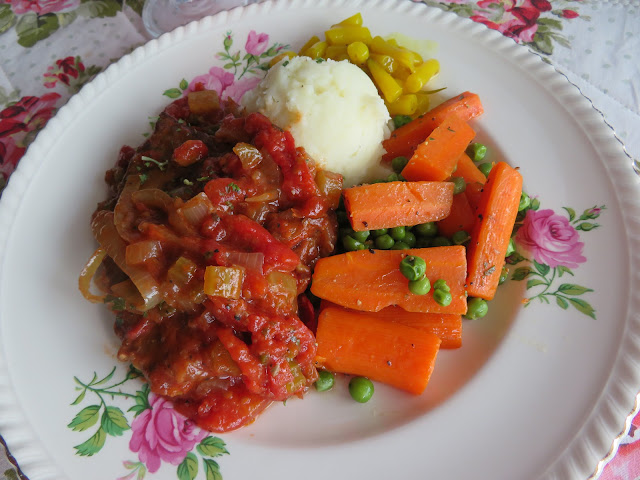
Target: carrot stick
point(469, 171)
point(496, 214)
point(473, 192)
point(436, 157)
point(394, 204)
point(370, 280)
point(359, 343)
point(447, 327)
point(404, 140)
point(461, 217)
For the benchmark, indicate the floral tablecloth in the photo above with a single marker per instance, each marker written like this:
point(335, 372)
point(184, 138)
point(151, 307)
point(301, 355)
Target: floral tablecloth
point(50, 48)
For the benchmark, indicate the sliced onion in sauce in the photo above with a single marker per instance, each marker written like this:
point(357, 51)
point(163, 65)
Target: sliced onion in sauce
point(250, 261)
point(139, 252)
point(268, 196)
point(249, 155)
point(87, 274)
point(124, 213)
point(105, 233)
point(197, 208)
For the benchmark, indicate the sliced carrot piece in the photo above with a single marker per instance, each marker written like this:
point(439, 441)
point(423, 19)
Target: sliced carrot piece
point(370, 280)
point(394, 204)
point(496, 214)
point(468, 170)
point(404, 140)
point(359, 343)
point(461, 217)
point(436, 157)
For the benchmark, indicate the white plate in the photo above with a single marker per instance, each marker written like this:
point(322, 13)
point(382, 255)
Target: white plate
point(535, 392)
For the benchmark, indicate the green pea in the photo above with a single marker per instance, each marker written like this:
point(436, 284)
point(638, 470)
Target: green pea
point(459, 185)
point(325, 381)
point(397, 233)
point(361, 236)
point(477, 151)
point(400, 245)
point(511, 247)
point(429, 229)
point(350, 244)
point(384, 242)
point(401, 120)
point(485, 168)
point(441, 284)
point(409, 238)
point(399, 163)
point(422, 286)
point(476, 308)
point(504, 274)
point(441, 242)
point(343, 218)
point(525, 201)
point(380, 232)
point(441, 297)
point(413, 267)
point(393, 177)
point(460, 237)
point(361, 389)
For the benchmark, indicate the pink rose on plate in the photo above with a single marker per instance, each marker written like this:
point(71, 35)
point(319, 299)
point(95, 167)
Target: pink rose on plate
point(550, 239)
point(161, 434)
point(224, 83)
point(42, 7)
point(256, 43)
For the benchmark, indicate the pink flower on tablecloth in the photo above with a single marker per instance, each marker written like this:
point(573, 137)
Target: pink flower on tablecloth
point(224, 83)
point(42, 7)
point(519, 20)
point(63, 70)
point(161, 434)
point(550, 239)
point(256, 43)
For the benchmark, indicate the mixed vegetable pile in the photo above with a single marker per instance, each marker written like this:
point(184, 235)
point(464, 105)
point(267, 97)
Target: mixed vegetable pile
point(229, 258)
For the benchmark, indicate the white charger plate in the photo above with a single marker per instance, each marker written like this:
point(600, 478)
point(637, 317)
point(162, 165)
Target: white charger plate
point(542, 391)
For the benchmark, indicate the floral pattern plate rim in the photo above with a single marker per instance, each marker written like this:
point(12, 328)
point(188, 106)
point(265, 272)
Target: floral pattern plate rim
point(541, 391)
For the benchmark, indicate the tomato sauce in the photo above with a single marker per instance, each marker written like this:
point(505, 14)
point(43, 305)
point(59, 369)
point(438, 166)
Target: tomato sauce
point(215, 187)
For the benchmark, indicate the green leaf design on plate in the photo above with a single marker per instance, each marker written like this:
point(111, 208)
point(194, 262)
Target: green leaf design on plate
point(172, 93)
point(521, 273)
point(212, 447)
point(212, 469)
point(535, 282)
point(571, 212)
point(93, 445)
point(31, 28)
point(86, 418)
point(7, 17)
point(79, 398)
point(561, 269)
point(184, 84)
point(571, 289)
point(562, 302)
point(583, 307)
point(541, 268)
point(188, 469)
point(114, 422)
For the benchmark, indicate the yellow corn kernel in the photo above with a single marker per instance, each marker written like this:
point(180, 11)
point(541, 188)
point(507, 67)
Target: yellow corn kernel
point(344, 35)
point(404, 105)
point(281, 56)
point(308, 45)
point(406, 57)
point(316, 50)
point(386, 61)
point(355, 20)
point(423, 104)
point(358, 52)
point(337, 52)
point(421, 76)
point(387, 85)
